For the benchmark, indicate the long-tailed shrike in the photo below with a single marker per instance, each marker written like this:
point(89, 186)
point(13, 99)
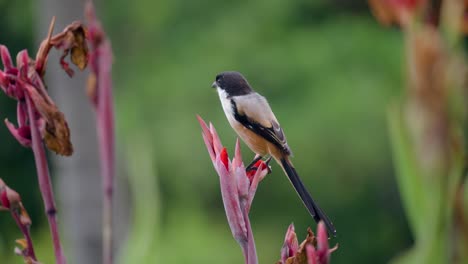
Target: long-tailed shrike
point(251, 117)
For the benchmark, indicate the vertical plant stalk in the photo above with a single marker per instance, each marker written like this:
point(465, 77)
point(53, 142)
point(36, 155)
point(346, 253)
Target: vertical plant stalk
point(105, 130)
point(45, 184)
point(100, 94)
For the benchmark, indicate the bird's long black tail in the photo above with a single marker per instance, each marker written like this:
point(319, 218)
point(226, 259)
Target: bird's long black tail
point(311, 205)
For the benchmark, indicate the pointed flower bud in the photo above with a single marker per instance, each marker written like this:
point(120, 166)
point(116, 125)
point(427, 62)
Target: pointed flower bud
point(291, 245)
point(237, 188)
point(313, 250)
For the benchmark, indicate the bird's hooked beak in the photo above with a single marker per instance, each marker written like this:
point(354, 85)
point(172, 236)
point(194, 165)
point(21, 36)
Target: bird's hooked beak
point(214, 85)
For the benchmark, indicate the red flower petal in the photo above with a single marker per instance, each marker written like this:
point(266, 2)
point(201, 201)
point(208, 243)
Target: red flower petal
point(225, 158)
point(4, 199)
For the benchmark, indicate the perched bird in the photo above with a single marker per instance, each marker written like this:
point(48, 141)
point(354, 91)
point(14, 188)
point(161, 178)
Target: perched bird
point(251, 117)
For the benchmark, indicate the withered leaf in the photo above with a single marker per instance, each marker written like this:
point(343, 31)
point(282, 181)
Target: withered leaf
point(56, 133)
point(22, 243)
point(22, 250)
point(72, 40)
point(24, 216)
point(79, 52)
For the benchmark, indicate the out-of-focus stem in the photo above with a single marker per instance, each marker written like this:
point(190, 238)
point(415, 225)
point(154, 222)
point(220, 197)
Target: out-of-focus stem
point(27, 235)
point(105, 130)
point(251, 250)
point(45, 185)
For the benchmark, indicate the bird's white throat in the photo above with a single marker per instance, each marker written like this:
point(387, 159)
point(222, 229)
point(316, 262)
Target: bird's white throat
point(227, 105)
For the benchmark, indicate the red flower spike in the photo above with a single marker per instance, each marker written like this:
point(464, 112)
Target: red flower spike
point(237, 189)
point(306, 252)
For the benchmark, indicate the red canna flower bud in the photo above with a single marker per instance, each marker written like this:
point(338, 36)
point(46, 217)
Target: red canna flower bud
point(224, 158)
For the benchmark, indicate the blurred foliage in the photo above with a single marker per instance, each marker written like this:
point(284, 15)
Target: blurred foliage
point(328, 72)
point(427, 128)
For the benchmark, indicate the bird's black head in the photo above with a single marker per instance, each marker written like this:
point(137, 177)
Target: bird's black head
point(233, 83)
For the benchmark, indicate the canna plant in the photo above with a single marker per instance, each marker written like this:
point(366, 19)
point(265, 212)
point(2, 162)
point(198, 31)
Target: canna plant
point(40, 122)
point(428, 127)
point(313, 250)
point(238, 186)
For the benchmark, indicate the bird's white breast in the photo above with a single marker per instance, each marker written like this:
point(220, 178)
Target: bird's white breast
point(252, 140)
point(227, 107)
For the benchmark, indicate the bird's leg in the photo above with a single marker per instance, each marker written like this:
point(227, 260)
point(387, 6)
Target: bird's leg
point(252, 164)
point(267, 162)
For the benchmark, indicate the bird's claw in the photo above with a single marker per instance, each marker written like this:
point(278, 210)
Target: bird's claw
point(253, 165)
point(267, 163)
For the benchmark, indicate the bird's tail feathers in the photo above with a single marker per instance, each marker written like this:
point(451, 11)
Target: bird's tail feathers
point(306, 198)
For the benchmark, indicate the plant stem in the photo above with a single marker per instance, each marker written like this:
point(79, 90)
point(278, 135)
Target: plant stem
point(27, 235)
point(45, 184)
point(105, 130)
point(251, 250)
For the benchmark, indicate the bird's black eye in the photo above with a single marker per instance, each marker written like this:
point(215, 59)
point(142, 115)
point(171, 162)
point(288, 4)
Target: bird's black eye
point(218, 77)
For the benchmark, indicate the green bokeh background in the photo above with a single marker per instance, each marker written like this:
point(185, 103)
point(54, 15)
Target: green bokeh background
point(329, 71)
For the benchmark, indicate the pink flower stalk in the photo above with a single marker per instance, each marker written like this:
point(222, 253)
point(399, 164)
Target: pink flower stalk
point(100, 94)
point(313, 250)
point(11, 201)
point(238, 188)
point(38, 120)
